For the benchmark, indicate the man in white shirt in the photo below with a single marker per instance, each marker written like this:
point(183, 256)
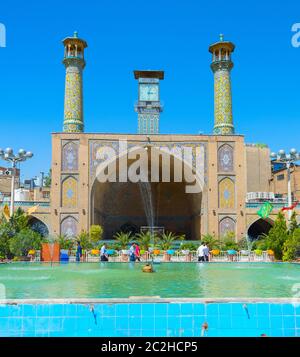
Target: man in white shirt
point(103, 254)
point(206, 253)
point(200, 253)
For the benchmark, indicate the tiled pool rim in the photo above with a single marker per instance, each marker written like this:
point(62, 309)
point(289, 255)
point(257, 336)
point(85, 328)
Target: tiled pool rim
point(150, 317)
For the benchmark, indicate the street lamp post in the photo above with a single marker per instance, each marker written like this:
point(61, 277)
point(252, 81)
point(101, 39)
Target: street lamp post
point(8, 155)
point(288, 160)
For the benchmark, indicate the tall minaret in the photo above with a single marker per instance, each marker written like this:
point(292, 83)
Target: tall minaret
point(221, 67)
point(74, 63)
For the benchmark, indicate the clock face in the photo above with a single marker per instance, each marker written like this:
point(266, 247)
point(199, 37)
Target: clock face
point(148, 92)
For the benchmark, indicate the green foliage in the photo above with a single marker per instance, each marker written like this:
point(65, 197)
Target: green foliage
point(293, 224)
point(291, 247)
point(24, 241)
point(261, 145)
point(64, 241)
point(167, 239)
point(96, 233)
point(48, 179)
point(228, 242)
point(123, 239)
point(277, 236)
point(243, 244)
point(211, 241)
point(85, 240)
point(17, 223)
point(146, 239)
point(261, 243)
point(191, 246)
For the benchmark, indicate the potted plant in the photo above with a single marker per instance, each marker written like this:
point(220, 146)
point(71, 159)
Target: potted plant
point(123, 240)
point(166, 243)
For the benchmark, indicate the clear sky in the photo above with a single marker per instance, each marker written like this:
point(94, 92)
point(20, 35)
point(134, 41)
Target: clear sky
point(158, 34)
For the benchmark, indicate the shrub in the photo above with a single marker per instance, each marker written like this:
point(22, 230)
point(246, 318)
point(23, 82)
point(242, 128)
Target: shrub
point(123, 239)
point(277, 236)
point(96, 233)
point(24, 241)
point(291, 247)
point(85, 240)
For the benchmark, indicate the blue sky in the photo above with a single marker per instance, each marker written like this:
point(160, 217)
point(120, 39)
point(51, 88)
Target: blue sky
point(127, 35)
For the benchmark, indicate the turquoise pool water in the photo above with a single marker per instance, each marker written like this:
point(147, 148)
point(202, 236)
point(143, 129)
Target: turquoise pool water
point(122, 280)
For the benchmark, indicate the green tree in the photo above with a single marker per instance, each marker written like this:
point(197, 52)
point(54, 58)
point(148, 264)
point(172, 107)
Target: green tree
point(85, 240)
point(96, 233)
point(211, 241)
point(293, 224)
point(123, 239)
point(146, 239)
point(167, 239)
point(63, 240)
point(228, 242)
point(291, 247)
point(277, 236)
point(24, 241)
point(48, 179)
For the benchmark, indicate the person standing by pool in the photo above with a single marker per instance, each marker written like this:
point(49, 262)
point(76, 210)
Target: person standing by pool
point(137, 252)
point(200, 253)
point(103, 254)
point(132, 253)
point(78, 252)
point(206, 252)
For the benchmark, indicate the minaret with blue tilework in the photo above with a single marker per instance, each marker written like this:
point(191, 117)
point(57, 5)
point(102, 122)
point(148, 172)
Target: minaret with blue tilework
point(74, 63)
point(221, 67)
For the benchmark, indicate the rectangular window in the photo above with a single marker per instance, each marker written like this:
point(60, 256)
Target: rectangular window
point(280, 177)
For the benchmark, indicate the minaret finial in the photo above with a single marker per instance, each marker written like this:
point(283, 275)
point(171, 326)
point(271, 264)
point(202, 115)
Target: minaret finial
point(221, 37)
point(75, 34)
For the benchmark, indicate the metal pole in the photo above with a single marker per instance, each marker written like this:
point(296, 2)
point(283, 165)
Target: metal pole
point(288, 166)
point(12, 193)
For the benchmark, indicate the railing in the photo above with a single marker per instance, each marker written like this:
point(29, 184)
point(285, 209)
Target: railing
point(274, 204)
point(178, 256)
point(26, 203)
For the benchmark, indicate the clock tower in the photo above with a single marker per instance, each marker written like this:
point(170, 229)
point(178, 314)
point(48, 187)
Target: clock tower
point(148, 105)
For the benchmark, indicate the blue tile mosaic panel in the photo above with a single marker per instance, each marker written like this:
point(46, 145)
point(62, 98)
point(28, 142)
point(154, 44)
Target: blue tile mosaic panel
point(176, 319)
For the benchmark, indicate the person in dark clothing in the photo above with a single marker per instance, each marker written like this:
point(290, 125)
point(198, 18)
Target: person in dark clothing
point(78, 252)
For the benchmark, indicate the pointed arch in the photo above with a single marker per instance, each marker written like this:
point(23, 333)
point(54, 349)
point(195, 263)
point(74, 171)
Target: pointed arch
point(226, 193)
point(69, 227)
point(226, 225)
point(69, 192)
point(70, 156)
point(226, 158)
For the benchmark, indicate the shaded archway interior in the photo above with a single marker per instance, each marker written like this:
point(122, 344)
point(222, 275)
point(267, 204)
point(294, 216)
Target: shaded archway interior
point(258, 228)
point(119, 206)
point(38, 226)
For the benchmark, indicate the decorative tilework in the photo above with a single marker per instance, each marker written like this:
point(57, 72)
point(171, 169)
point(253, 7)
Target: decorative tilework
point(223, 319)
point(148, 123)
point(69, 227)
point(73, 115)
point(97, 145)
point(225, 158)
point(226, 225)
point(70, 156)
point(226, 193)
point(222, 104)
point(69, 192)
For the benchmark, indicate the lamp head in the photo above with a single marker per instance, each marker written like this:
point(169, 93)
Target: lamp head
point(22, 152)
point(29, 154)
